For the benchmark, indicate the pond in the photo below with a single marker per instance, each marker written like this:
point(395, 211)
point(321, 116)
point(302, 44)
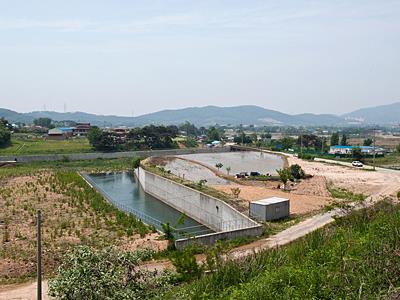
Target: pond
point(193, 172)
point(124, 192)
point(241, 161)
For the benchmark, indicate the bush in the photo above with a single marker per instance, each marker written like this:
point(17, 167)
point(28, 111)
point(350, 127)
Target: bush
point(285, 175)
point(136, 162)
point(105, 274)
point(306, 156)
point(186, 265)
point(297, 172)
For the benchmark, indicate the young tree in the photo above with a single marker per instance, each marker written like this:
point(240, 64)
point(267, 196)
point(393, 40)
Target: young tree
point(343, 142)
point(335, 139)
point(368, 142)
point(235, 192)
point(213, 134)
point(228, 169)
point(219, 165)
point(254, 137)
point(285, 175)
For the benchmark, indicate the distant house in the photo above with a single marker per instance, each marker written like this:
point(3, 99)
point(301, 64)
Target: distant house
point(81, 129)
point(61, 133)
point(343, 150)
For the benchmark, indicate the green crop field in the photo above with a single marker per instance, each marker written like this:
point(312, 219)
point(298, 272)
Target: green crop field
point(358, 257)
point(31, 145)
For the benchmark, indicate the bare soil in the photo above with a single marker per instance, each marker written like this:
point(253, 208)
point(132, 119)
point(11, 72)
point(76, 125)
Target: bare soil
point(63, 226)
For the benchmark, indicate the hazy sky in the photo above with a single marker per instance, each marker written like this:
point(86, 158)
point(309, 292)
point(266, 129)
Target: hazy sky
point(124, 57)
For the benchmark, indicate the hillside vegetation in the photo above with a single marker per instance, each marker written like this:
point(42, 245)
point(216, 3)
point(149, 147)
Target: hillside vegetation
point(358, 257)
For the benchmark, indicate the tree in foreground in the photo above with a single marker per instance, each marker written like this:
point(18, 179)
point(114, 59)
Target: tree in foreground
point(105, 274)
point(219, 165)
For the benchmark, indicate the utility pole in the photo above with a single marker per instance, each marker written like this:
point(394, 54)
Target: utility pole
point(373, 160)
point(301, 143)
point(39, 256)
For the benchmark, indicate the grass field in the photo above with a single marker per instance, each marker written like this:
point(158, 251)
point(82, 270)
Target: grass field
point(31, 145)
point(358, 257)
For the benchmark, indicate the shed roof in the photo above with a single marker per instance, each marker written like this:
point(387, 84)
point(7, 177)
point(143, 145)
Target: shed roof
point(272, 200)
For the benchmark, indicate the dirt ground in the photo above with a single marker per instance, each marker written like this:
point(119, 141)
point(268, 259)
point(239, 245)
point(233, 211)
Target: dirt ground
point(64, 224)
point(308, 196)
point(312, 194)
point(356, 180)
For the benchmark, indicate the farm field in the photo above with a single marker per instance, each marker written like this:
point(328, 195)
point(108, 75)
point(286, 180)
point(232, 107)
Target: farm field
point(32, 145)
point(72, 213)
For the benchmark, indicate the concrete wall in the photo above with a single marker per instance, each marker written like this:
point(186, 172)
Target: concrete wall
point(211, 238)
point(110, 155)
point(212, 212)
point(205, 209)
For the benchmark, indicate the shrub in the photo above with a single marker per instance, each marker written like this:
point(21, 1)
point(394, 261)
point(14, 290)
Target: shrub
point(285, 175)
point(136, 162)
point(236, 192)
point(306, 156)
point(201, 183)
point(186, 265)
point(297, 172)
point(104, 274)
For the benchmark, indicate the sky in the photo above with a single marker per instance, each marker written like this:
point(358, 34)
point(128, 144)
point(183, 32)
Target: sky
point(135, 57)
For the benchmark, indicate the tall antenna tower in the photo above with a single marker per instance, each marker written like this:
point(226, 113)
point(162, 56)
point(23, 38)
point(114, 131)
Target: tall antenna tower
point(65, 107)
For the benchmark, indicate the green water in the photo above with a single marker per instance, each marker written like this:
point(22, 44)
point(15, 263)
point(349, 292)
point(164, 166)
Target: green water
point(123, 189)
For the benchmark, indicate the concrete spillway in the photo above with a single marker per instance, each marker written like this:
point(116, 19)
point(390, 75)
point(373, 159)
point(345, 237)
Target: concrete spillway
point(125, 193)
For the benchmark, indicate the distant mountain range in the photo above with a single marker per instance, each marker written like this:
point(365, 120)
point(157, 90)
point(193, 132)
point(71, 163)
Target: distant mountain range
point(211, 115)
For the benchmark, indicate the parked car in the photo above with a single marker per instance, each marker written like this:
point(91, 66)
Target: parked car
point(255, 174)
point(357, 164)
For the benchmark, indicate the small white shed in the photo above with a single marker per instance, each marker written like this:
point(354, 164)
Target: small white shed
point(270, 209)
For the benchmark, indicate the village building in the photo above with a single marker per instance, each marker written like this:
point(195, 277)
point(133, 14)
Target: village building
point(62, 133)
point(346, 150)
point(81, 129)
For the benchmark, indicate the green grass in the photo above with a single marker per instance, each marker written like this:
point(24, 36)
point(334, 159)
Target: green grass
point(95, 165)
point(357, 257)
point(23, 145)
point(341, 193)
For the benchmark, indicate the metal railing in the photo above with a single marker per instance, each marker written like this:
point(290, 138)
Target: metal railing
point(149, 220)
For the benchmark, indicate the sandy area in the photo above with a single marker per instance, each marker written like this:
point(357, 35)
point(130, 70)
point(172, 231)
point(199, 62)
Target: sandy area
point(299, 203)
point(355, 180)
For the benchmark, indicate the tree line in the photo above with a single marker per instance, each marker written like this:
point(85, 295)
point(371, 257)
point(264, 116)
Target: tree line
point(146, 138)
point(5, 133)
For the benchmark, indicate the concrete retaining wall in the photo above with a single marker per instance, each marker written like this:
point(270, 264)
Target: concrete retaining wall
point(211, 238)
point(110, 155)
point(205, 209)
